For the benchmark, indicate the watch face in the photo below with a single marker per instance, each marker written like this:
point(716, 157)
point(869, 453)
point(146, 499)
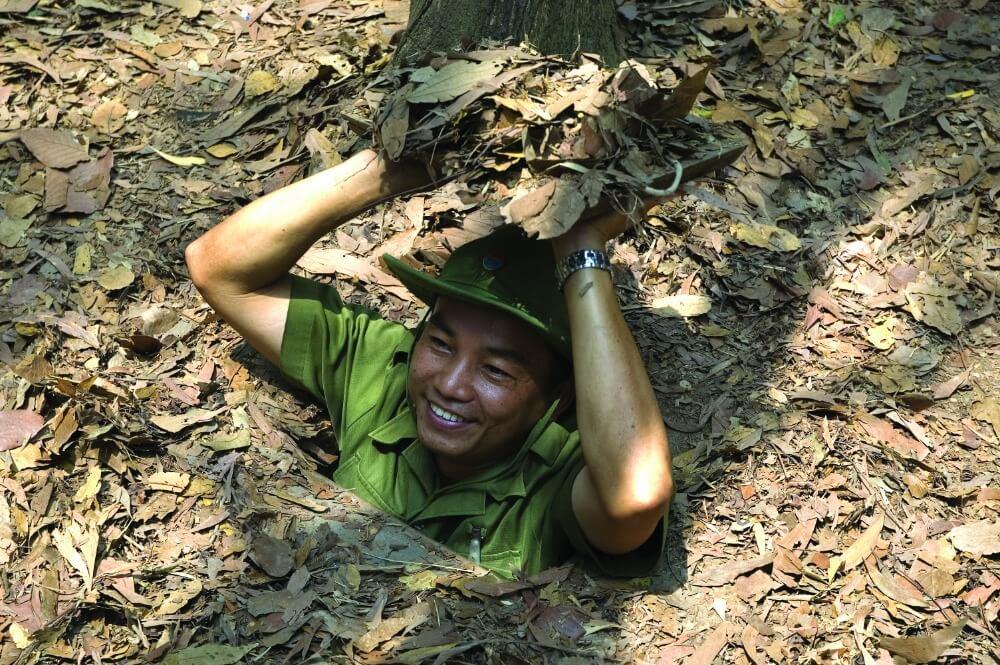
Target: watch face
point(493, 261)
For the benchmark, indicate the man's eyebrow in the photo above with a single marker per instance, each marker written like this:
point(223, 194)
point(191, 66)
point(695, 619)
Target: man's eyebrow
point(437, 320)
point(513, 355)
point(508, 354)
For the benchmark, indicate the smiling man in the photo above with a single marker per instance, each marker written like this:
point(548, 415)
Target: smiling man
point(516, 425)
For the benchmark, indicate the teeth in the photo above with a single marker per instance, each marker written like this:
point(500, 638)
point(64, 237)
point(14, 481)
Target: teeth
point(447, 415)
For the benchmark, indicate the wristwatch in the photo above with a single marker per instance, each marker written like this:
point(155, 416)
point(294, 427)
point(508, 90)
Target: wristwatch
point(585, 258)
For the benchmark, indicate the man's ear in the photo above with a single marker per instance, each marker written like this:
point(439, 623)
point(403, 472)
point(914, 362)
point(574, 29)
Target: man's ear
point(566, 394)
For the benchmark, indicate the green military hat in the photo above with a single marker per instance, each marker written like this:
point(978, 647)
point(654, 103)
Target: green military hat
point(506, 270)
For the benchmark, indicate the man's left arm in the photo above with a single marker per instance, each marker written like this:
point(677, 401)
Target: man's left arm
point(623, 492)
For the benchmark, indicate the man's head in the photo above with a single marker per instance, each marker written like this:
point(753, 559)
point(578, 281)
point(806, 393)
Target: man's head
point(479, 380)
point(494, 354)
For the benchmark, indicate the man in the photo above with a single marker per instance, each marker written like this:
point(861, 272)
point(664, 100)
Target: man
point(517, 425)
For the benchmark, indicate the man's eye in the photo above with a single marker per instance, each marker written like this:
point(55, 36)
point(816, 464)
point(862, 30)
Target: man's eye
point(496, 372)
point(439, 344)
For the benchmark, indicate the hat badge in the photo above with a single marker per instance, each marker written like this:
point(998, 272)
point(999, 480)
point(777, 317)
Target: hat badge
point(493, 261)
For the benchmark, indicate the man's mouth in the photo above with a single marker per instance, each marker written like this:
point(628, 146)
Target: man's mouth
point(446, 415)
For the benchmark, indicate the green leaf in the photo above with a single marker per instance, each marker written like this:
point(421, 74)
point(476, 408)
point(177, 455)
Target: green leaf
point(144, 36)
point(223, 442)
point(207, 654)
point(96, 4)
point(451, 81)
point(837, 16)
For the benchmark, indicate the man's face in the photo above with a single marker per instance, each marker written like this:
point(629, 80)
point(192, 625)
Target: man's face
point(479, 381)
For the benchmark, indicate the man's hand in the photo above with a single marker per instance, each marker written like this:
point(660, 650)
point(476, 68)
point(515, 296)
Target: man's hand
point(623, 492)
point(241, 266)
point(595, 231)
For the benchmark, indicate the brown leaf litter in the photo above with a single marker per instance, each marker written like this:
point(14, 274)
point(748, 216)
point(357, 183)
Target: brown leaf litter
point(817, 320)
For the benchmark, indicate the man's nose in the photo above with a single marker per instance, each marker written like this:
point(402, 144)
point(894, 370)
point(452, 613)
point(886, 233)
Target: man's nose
point(455, 380)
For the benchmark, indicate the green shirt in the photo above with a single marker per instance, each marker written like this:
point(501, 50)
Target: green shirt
point(356, 363)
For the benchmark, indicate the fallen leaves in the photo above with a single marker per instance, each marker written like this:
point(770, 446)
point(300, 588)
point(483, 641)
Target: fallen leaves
point(988, 410)
point(109, 117)
point(766, 236)
point(55, 149)
point(728, 572)
point(980, 538)
point(860, 549)
point(168, 481)
point(682, 305)
point(17, 426)
point(274, 556)
point(174, 601)
point(841, 367)
point(177, 422)
point(561, 148)
point(922, 648)
point(259, 83)
point(208, 654)
point(115, 277)
point(450, 81)
point(191, 160)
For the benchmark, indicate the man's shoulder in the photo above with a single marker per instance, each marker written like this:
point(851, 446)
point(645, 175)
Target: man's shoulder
point(310, 299)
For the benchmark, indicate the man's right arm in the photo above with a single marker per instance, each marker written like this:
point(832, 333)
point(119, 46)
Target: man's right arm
point(241, 266)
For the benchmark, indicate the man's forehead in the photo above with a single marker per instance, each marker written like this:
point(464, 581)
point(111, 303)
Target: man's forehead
point(495, 326)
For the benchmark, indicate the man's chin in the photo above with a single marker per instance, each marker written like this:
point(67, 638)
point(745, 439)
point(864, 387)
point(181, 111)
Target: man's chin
point(441, 444)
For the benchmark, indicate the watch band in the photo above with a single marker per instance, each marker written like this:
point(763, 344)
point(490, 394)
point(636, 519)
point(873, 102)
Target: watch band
point(585, 258)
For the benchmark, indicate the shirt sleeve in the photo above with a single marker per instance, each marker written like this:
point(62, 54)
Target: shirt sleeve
point(637, 563)
point(339, 353)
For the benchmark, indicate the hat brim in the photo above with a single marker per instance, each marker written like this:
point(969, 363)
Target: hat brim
point(427, 288)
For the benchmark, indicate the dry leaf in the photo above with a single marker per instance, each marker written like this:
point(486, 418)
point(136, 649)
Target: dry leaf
point(713, 645)
point(178, 598)
point(946, 389)
point(881, 336)
point(109, 116)
point(91, 486)
point(180, 161)
point(53, 148)
point(74, 557)
point(12, 230)
point(988, 410)
point(82, 258)
point(188, 8)
point(451, 81)
point(859, 549)
point(979, 538)
point(18, 635)
point(260, 83)
point(274, 556)
point(168, 481)
point(329, 260)
point(765, 236)
point(117, 277)
point(681, 305)
point(222, 150)
point(17, 427)
point(728, 572)
point(396, 122)
point(547, 211)
point(176, 423)
point(208, 654)
point(925, 648)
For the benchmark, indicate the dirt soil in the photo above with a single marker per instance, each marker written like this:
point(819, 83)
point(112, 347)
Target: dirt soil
point(818, 322)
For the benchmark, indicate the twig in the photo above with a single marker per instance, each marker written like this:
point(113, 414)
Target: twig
point(421, 563)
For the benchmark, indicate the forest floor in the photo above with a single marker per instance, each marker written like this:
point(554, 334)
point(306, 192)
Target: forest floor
point(834, 415)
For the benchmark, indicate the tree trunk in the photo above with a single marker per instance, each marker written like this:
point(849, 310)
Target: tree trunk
point(554, 27)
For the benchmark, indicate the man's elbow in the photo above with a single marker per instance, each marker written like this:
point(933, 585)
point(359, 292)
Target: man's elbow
point(652, 503)
point(650, 491)
point(197, 264)
point(645, 500)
